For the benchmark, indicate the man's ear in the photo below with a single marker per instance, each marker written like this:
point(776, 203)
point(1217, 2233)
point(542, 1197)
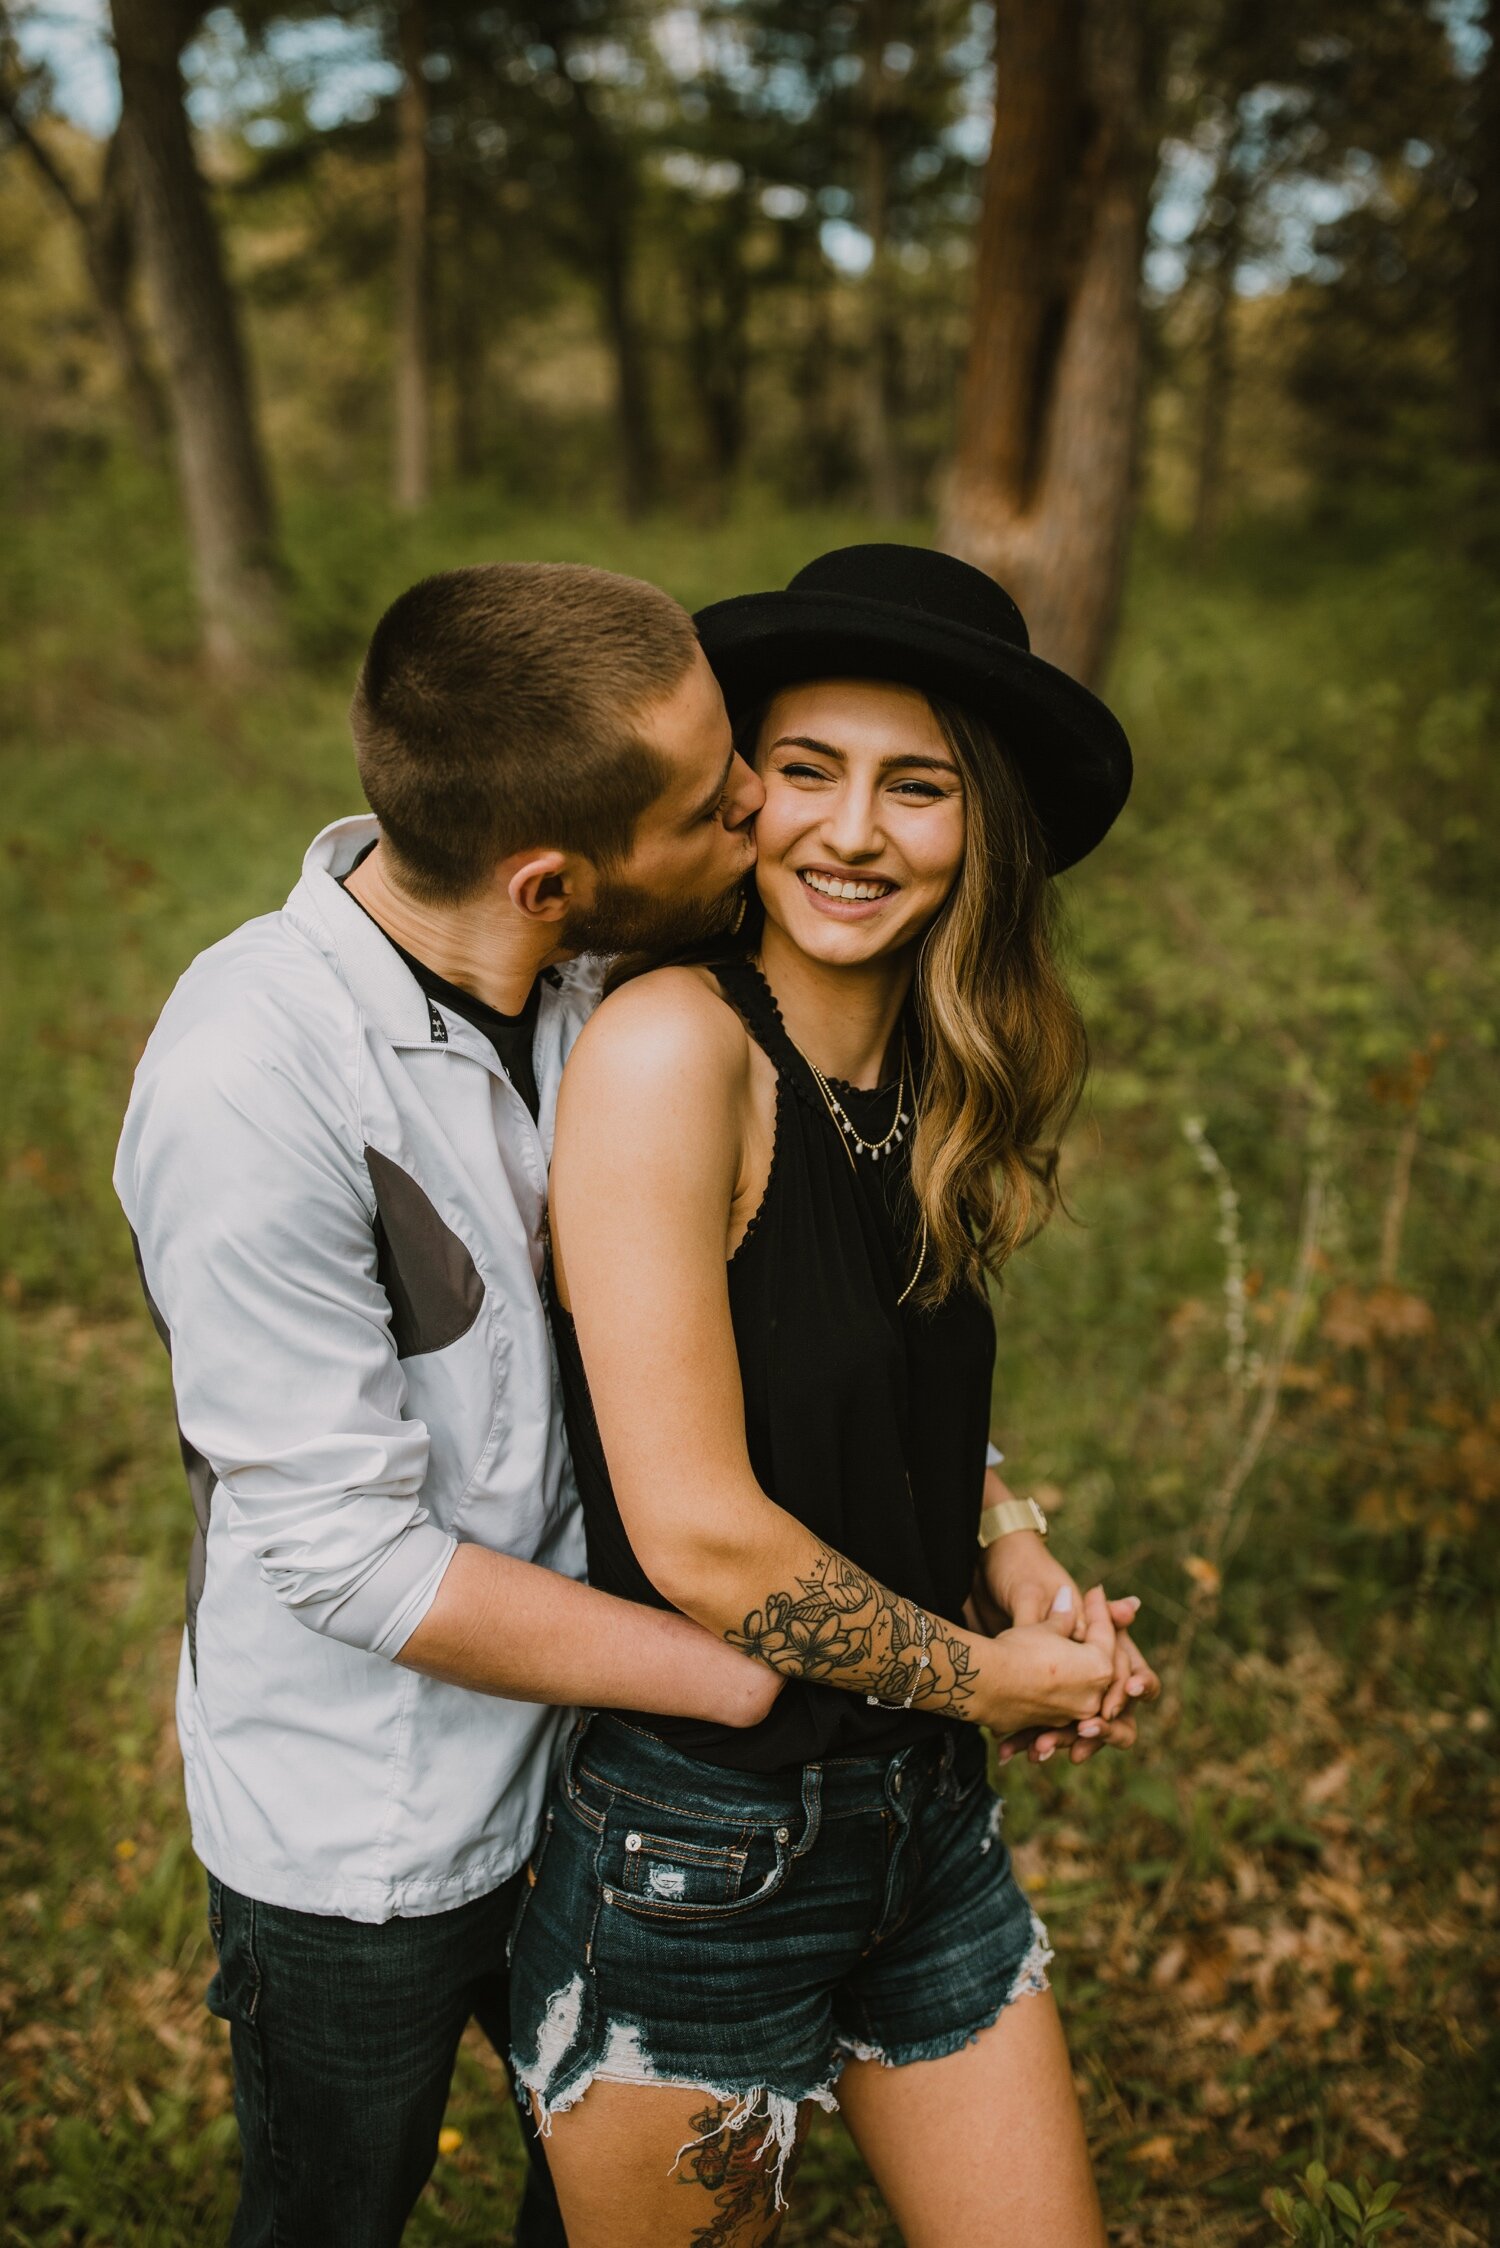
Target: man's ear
point(545, 885)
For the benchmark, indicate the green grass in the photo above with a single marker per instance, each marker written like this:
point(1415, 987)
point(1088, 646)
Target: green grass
point(1273, 1922)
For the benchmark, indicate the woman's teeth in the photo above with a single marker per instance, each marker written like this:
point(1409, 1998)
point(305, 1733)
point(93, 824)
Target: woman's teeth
point(829, 888)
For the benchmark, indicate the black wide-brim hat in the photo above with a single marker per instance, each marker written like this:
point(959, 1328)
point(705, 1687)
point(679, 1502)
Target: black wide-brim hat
point(926, 620)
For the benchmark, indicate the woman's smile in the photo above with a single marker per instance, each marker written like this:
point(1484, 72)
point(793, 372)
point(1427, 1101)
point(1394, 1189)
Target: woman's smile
point(845, 895)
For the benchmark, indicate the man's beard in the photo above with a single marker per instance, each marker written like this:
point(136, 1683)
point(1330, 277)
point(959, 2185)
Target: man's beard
point(623, 918)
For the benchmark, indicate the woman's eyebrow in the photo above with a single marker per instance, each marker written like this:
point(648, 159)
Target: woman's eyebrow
point(924, 764)
point(807, 741)
point(831, 749)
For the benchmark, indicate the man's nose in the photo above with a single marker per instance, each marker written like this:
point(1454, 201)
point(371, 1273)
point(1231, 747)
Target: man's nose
point(746, 794)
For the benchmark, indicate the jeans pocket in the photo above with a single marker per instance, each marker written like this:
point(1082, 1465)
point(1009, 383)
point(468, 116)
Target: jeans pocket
point(666, 1870)
point(234, 1993)
point(692, 1869)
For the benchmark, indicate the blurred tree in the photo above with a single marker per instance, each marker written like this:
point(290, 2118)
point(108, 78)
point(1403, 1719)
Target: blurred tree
point(882, 66)
point(412, 478)
point(812, 177)
point(578, 50)
point(106, 231)
point(226, 493)
point(1479, 301)
point(902, 107)
point(1384, 144)
point(1041, 487)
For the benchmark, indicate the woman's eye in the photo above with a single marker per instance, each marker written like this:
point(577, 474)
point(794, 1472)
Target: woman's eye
point(924, 791)
point(804, 773)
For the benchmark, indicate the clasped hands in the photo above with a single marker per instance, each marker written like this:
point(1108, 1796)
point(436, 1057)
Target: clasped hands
point(1086, 1700)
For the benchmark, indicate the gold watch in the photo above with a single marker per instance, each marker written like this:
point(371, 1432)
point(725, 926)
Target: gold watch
point(1010, 1514)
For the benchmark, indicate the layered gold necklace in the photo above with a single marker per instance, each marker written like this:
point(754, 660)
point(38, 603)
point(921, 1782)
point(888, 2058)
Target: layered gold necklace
point(853, 1142)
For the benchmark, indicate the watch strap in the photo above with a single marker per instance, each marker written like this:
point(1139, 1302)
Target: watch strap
point(1011, 1514)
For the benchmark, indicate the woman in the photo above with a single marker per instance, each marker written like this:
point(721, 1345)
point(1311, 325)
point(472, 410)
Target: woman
point(779, 1182)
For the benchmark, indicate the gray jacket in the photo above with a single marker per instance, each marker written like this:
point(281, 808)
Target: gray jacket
point(338, 1199)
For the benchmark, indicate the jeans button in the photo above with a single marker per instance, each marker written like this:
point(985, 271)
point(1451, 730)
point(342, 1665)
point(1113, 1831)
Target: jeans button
point(783, 1834)
point(632, 1842)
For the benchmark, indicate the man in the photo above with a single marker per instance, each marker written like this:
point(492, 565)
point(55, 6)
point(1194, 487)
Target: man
point(334, 1166)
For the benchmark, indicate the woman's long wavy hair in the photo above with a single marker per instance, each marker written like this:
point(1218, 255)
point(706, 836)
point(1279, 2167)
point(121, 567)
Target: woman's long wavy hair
point(1005, 1053)
point(1004, 1050)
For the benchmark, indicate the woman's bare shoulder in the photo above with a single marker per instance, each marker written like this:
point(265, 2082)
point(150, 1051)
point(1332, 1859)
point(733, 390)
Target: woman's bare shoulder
point(671, 1021)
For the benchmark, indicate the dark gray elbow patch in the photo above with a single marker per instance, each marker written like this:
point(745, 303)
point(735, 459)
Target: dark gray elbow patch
point(427, 1273)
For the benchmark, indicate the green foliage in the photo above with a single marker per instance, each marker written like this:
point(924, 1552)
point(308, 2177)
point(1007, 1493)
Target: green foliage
point(1276, 1909)
point(1326, 2214)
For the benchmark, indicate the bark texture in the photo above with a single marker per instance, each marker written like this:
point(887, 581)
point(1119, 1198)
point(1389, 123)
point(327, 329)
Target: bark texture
point(1218, 372)
point(607, 180)
point(107, 233)
point(879, 370)
point(1042, 486)
point(1479, 372)
point(717, 310)
point(226, 494)
point(412, 469)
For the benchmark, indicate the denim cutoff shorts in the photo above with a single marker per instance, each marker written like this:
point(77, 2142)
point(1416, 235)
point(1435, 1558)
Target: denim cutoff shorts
point(747, 1934)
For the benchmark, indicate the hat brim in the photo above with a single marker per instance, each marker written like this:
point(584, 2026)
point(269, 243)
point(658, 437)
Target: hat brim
point(1070, 750)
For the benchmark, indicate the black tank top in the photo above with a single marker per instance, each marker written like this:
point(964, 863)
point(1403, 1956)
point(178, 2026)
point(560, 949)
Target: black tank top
point(867, 1418)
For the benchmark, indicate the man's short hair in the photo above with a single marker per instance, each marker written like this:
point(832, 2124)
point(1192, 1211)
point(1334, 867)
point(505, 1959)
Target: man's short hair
point(496, 711)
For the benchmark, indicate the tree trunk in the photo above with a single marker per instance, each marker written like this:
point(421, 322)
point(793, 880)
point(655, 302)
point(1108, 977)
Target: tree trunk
point(467, 345)
point(813, 364)
point(609, 195)
point(1042, 486)
point(879, 408)
point(639, 471)
point(231, 523)
point(1479, 358)
point(717, 290)
point(1218, 379)
point(110, 251)
point(1213, 422)
point(412, 477)
point(109, 254)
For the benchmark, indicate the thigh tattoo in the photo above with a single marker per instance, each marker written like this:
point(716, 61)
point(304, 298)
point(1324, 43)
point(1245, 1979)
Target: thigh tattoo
point(740, 2174)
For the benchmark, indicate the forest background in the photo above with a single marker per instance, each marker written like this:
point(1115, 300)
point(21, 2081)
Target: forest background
point(1184, 317)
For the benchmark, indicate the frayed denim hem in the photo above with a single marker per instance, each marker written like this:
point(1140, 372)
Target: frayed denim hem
point(555, 2086)
point(1029, 1977)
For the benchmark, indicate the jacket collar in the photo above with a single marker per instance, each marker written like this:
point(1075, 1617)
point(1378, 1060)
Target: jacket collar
point(382, 984)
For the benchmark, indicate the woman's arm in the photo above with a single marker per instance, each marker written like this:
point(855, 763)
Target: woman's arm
point(651, 1125)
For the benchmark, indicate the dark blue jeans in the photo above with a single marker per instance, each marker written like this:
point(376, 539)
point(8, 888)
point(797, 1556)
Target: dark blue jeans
point(343, 2037)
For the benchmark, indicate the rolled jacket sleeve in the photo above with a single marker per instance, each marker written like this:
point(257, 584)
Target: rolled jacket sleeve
point(254, 1219)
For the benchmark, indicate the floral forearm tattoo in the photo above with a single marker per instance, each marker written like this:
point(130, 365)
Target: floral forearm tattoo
point(843, 1629)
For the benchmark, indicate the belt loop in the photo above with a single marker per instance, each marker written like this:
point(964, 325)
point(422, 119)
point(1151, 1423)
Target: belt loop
point(812, 1808)
point(895, 1782)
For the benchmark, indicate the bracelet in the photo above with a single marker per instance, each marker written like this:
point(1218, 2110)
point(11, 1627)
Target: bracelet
point(924, 1662)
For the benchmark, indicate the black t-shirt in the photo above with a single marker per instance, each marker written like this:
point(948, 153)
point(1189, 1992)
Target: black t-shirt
point(512, 1036)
